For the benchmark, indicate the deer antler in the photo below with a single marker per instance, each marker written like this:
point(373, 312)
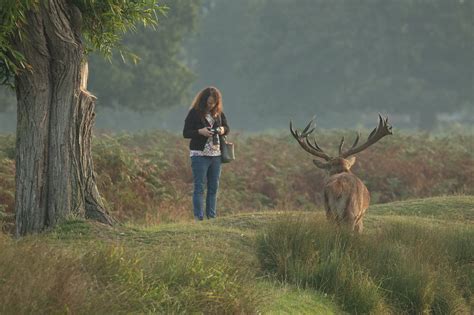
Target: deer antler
point(306, 144)
point(382, 130)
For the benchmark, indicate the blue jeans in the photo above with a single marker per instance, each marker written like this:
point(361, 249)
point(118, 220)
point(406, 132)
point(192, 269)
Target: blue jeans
point(205, 169)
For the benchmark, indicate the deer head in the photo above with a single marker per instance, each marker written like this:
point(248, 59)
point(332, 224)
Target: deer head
point(344, 161)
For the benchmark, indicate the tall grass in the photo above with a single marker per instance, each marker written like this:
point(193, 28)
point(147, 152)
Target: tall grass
point(403, 268)
point(96, 278)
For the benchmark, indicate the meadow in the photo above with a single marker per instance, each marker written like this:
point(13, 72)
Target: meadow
point(146, 178)
point(270, 251)
point(269, 262)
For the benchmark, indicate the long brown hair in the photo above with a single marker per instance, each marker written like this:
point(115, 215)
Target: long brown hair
point(200, 101)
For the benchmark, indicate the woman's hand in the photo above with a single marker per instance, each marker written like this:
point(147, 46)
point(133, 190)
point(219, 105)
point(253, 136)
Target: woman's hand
point(221, 130)
point(205, 132)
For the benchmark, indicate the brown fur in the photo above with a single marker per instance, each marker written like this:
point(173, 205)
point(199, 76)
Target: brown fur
point(346, 198)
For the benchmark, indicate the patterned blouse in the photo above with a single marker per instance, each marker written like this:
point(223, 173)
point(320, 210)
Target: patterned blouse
point(210, 149)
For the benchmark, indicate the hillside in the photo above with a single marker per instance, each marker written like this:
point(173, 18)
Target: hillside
point(189, 267)
point(458, 208)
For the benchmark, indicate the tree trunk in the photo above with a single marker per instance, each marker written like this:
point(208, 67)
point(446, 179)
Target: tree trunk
point(54, 170)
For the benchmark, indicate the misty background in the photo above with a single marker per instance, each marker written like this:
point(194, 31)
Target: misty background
point(275, 60)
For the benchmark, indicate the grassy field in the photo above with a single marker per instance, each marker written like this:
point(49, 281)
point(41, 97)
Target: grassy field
point(262, 262)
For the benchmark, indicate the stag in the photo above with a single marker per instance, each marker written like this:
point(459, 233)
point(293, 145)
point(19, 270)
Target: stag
point(346, 198)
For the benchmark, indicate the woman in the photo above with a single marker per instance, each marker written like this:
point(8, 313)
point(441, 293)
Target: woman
point(203, 125)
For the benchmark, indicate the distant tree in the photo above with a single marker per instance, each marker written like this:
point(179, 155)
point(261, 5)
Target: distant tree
point(7, 98)
point(160, 78)
point(423, 63)
point(43, 47)
point(227, 32)
point(407, 56)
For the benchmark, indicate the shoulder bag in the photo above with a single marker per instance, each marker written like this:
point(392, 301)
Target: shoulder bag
point(227, 148)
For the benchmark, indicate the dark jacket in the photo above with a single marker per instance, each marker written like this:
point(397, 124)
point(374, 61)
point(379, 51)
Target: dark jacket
point(194, 121)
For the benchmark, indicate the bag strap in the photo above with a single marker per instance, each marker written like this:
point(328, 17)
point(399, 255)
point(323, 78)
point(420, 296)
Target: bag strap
point(220, 125)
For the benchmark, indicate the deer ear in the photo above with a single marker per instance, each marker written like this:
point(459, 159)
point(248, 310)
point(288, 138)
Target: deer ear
point(351, 161)
point(320, 164)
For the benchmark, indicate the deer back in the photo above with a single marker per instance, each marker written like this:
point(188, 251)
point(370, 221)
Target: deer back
point(346, 196)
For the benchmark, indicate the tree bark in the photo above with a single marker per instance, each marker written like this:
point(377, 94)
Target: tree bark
point(55, 175)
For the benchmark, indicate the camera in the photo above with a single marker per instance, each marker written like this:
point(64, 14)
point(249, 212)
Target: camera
point(215, 135)
point(213, 130)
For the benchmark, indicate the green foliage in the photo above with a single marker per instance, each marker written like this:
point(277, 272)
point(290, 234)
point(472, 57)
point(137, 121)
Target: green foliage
point(401, 268)
point(155, 77)
point(12, 18)
point(105, 22)
point(159, 78)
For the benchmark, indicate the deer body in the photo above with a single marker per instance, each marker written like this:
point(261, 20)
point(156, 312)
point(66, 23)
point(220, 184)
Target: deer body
point(346, 198)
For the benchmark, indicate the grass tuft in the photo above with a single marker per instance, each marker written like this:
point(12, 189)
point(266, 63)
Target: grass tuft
point(402, 268)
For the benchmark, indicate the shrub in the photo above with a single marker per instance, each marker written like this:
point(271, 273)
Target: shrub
point(146, 178)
